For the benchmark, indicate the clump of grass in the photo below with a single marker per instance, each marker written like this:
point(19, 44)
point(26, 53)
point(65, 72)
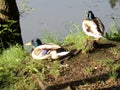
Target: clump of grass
point(111, 66)
point(52, 38)
point(14, 55)
point(76, 37)
point(18, 71)
point(114, 33)
point(10, 60)
point(55, 68)
point(89, 70)
point(113, 75)
point(115, 52)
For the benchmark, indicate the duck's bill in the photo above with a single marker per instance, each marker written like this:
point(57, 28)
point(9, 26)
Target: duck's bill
point(28, 44)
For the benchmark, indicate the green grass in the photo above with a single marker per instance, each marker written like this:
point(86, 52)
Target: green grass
point(14, 55)
point(111, 66)
point(115, 52)
point(114, 33)
point(89, 70)
point(52, 38)
point(20, 72)
point(76, 37)
point(10, 60)
point(55, 68)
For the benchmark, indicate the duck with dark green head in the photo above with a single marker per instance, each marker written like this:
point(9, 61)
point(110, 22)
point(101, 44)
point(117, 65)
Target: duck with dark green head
point(93, 26)
point(46, 51)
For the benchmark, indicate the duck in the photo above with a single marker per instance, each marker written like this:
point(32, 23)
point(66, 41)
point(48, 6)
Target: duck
point(47, 50)
point(93, 26)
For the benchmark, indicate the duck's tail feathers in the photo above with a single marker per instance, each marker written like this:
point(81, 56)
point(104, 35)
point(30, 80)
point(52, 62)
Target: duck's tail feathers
point(63, 53)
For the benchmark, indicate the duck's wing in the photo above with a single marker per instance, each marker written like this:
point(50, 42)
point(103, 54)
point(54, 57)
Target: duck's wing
point(48, 46)
point(47, 56)
point(89, 26)
point(40, 53)
point(100, 25)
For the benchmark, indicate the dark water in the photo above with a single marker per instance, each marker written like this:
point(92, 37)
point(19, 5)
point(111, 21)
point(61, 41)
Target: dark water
point(52, 16)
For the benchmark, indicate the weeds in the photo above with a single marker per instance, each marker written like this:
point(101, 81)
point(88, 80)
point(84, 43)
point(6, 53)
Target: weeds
point(18, 71)
point(12, 57)
point(9, 64)
point(52, 38)
point(114, 33)
point(76, 37)
point(55, 68)
point(89, 70)
point(21, 72)
point(111, 66)
point(115, 52)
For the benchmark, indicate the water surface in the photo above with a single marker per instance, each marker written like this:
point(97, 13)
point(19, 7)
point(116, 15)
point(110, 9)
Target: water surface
point(55, 15)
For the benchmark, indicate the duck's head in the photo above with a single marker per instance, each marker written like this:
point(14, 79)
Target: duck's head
point(35, 42)
point(89, 15)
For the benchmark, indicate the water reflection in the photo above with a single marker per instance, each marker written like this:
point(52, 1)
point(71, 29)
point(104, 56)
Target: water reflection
point(113, 3)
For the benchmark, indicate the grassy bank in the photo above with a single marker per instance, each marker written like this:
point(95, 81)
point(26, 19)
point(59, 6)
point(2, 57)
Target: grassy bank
point(99, 68)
